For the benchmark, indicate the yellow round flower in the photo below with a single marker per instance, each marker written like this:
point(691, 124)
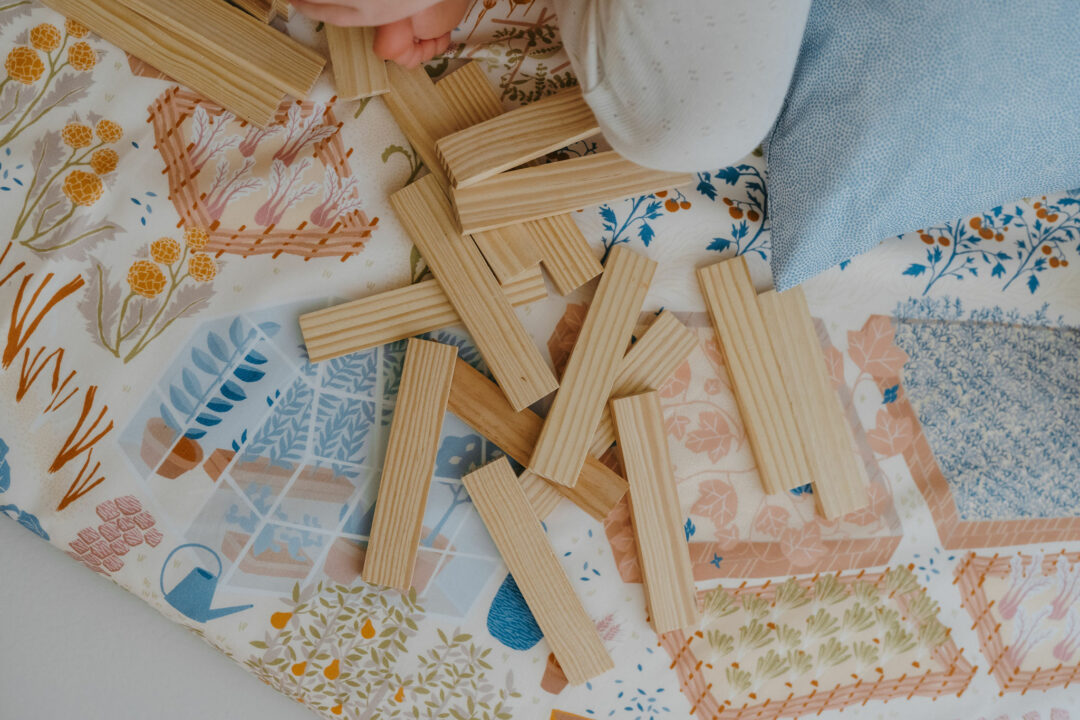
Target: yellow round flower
point(82, 56)
point(196, 238)
point(83, 188)
point(202, 267)
point(104, 161)
point(77, 135)
point(24, 65)
point(165, 250)
point(76, 29)
point(109, 131)
point(146, 278)
point(45, 37)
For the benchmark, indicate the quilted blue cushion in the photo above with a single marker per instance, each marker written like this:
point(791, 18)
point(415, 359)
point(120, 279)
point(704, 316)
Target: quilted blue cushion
point(906, 113)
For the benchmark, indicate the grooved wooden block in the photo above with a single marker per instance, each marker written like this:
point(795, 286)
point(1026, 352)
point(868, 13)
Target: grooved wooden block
point(421, 113)
point(358, 71)
point(837, 472)
point(409, 464)
point(482, 406)
point(261, 9)
point(469, 94)
point(565, 252)
point(593, 365)
point(652, 359)
point(513, 138)
point(555, 189)
point(512, 524)
point(282, 9)
point(655, 512)
point(755, 375)
point(465, 278)
point(396, 314)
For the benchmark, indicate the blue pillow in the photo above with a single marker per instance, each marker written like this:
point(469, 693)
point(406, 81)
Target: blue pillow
point(906, 113)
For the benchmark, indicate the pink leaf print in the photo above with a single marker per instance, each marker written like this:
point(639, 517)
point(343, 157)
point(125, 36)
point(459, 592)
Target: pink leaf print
point(717, 501)
point(675, 425)
point(715, 386)
point(873, 350)
point(834, 361)
point(713, 436)
point(802, 546)
point(891, 436)
point(772, 520)
point(727, 536)
point(678, 383)
point(714, 355)
point(879, 500)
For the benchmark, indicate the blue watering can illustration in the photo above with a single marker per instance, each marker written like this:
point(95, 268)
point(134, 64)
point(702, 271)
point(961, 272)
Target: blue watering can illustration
point(192, 595)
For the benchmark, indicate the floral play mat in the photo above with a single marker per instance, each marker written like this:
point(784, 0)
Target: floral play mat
point(163, 426)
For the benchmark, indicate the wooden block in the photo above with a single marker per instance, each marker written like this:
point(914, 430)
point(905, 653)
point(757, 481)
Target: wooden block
point(263, 10)
point(524, 546)
point(421, 113)
point(655, 513)
point(409, 463)
point(556, 188)
point(358, 71)
point(593, 365)
point(652, 359)
point(482, 406)
point(256, 102)
point(565, 252)
point(457, 264)
point(510, 251)
point(396, 314)
point(516, 137)
point(283, 9)
point(755, 375)
point(469, 95)
point(837, 472)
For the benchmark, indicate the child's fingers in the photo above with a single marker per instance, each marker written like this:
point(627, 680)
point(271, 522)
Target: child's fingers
point(442, 17)
point(361, 12)
point(394, 40)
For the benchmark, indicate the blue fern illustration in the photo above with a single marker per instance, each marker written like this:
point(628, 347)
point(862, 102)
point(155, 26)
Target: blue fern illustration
point(283, 437)
point(353, 373)
point(752, 211)
point(458, 497)
point(618, 232)
point(342, 425)
point(27, 520)
point(5, 469)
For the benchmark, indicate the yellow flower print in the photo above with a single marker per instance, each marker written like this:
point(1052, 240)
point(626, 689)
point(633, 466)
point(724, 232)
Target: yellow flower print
point(146, 278)
point(76, 29)
point(82, 57)
point(165, 250)
point(108, 131)
point(104, 161)
point(196, 238)
point(83, 188)
point(77, 135)
point(45, 37)
point(202, 267)
point(24, 65)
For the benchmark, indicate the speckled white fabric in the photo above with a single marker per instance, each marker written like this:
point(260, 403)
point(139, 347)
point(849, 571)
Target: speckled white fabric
point(687, 85)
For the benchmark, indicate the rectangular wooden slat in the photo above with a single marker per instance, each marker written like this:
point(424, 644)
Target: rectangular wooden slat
point(409, 464)
point(656, 513)
point(457, 264)
point(837, 472)
point(516, 137)
point(755, 375)
point(358, 71)
point(396, 314)
point(565, 252)
point(470, 96)
point(590, 372)
point(263, 10)
point(282, 9)
point(512, 524)
point(421, 113)
point(482, 406)
point(556, 188)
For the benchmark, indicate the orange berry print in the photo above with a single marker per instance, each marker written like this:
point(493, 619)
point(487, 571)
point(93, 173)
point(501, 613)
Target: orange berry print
point(108, 131)
point(83, 188)
point(975, 222)
point(1064, 263)
point(1038, 205)
point(165, 251)
point(928, 239)
point(146, 278)
point(368, 630)
point(1047, 250)
point(1052, 217)
point(399, 695)
point(76, 29)
point(662, 193)
point(986, 233)
point(944, 241)
point(299, 668)
point(1041, 212)
point(753, 215)
point(1054, 262)
point(104, 161)
point(279, 619)
point(735, 212)
point(727, 201)
point(336, 709)
point(82, 57)
point(670, 205)
point(24, 65)
point(684, 205)
point(999, 237)
point(77, 135)
point(196, 238)
point(332, 670)
point(202, 267)
point(45, 37)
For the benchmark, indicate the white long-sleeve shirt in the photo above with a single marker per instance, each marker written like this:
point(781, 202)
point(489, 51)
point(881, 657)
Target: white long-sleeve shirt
point(683, 85)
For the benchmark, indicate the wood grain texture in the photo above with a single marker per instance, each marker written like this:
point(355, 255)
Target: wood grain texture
point(466, 279)
point(262, 10)
point(513, 138)
point(656, 513)
point(763, 402)
point(567, 257)
point(358, 71)
point(396, 314)
point(409, 463)
point(422, 114)
point(469, 95)
point(592, 367)
point(283, 9)
point(556, 188)
point(652, 359)
point(837, 472)
point(480, 404)
point(512, 524)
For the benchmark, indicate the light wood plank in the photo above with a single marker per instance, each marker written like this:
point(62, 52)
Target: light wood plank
point(556, 188)
point(480, 404)
point(564, 251)
point(524, 546)
point(409, 463)
point(838, 474)
point(457, 264)
point(516, 137)
point(421, 113)
point(652, 359)
point(594, 363)
point(755, 375)
point(396, 314)
point(358, 71)
point(656, 513)
point(262, 10)
point(283, 9)
point(470, 95)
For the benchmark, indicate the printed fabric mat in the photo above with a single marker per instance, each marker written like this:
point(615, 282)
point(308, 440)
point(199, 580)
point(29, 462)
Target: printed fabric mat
point(161, 417)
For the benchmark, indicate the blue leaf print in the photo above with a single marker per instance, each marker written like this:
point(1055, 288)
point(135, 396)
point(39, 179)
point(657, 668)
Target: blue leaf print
point(207, 420)
point(255, 358)
point(247, 373)
point(998, 271)
point(730, 175)
point(217, 347)
point(180, 401)
point(689, 529)
point(646, 234)
point(232, 391)
point(236, 332)
point(802, 490)
point(5, 469)
point(168, 418)
point(191, 384)
point(194, 433)
point(915, 269)
point(269, 328)
point(719, 244)
point(203, 361)
point(705, 186)
point(1033, 283)
point(219, 406)
point(890, 394)
point(607, 215)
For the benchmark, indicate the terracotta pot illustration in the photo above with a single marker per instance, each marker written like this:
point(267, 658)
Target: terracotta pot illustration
point(159, 439)
point(345, 561)
point(269, 563)
point(554, 680)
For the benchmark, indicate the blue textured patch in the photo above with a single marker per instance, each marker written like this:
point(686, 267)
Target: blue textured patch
point(509, 620)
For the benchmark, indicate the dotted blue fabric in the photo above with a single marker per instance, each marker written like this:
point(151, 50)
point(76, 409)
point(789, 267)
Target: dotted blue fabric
point(906, 113)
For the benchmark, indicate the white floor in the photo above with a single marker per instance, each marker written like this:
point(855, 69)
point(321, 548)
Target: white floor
point(73, 645)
